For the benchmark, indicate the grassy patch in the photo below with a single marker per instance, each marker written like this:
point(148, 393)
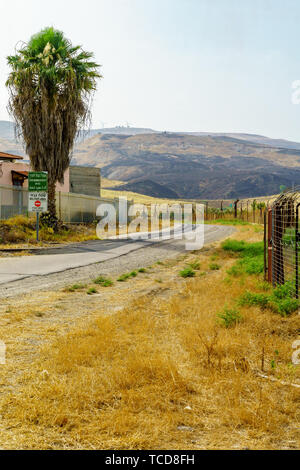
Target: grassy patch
point(243, 248)
point(281, 300)
point(229, 317)
point(102, 281)
point(187, 273)
point(133, 274)
point(195, 265)
point(21, 229)
point(125, 277)
point(214, 267)
point(235, 270)
point(142, 270)
point(250, 256)
point(75, 287)
point(92, 291)
point(228, 222)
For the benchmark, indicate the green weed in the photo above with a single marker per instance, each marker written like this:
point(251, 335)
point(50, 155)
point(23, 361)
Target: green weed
point(102, 281)
point(229, 317)
point(92, 291)
point(187, 272)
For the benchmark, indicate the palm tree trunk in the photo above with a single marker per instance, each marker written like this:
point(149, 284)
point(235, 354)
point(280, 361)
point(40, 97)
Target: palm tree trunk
point(51, 198)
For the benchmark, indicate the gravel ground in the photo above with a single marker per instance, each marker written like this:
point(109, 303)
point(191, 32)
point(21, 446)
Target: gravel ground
point(141, 258)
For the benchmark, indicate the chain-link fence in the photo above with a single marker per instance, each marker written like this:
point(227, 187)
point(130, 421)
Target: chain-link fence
point(71, 208)
point(282, 242)
point(13, 201)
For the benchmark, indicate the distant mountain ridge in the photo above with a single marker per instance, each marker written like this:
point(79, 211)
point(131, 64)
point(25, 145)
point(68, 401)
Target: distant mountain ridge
point(191, 166)
point(7, 132)
point(187, 165)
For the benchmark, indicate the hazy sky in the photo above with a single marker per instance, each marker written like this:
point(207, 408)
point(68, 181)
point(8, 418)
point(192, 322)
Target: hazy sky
point(181, 65)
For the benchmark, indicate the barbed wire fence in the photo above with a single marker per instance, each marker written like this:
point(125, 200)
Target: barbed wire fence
point(251, 210)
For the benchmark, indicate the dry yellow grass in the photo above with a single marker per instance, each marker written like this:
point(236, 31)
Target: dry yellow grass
point(143, 199)
point(160, 373)
point(19, 232)
point(137, 198)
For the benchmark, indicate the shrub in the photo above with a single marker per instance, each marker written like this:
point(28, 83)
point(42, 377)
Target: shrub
point(253, 265)
point(187, 272)
point(235, 246)
point(142, 270)
point(286, 290)
point(229, 317)
point(284, 307)
point(21, 221)
point(251, 257)
point(279, 301)
point(244, 249)
point(250, 299)
point(15, 235)
point(48, 220)
point(265, 286)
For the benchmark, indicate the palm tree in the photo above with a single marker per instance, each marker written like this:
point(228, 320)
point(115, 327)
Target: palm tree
point(50, 88)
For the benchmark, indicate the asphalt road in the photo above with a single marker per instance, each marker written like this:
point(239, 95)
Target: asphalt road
point(58, 263)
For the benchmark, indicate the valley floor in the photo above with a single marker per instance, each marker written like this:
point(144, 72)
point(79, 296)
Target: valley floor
point(146, 364)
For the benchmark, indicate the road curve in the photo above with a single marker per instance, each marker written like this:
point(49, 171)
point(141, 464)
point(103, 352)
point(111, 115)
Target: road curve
point(77, 262)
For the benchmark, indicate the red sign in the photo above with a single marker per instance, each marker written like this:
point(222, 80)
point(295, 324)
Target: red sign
point(37, 203)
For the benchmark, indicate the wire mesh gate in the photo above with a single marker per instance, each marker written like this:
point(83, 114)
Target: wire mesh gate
point(282, 241)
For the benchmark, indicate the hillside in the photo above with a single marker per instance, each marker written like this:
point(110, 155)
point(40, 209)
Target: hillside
point(184, 165)
point(7, 139)
point(191, 166)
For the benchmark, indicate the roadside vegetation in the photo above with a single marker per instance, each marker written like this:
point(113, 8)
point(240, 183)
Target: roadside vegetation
point(194, 363)
point(21, 230)
point(125, 277)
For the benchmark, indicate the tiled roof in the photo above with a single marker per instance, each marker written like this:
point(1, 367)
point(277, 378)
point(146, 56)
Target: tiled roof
point(22, 173)
point(9, 156)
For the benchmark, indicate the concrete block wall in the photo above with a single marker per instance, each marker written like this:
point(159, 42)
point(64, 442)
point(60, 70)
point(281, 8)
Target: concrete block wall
point(85, 180)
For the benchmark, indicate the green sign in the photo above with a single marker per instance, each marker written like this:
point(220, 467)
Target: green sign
point(38, 181)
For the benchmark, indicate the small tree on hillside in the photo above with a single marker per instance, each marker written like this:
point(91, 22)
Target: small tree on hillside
point(50, 86)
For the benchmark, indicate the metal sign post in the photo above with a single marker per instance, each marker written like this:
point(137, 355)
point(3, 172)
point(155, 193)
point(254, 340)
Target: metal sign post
point(37, 226)
point(38, 195)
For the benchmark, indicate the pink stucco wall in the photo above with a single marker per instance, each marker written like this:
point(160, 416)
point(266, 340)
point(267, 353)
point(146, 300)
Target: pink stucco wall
point(6, 177)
